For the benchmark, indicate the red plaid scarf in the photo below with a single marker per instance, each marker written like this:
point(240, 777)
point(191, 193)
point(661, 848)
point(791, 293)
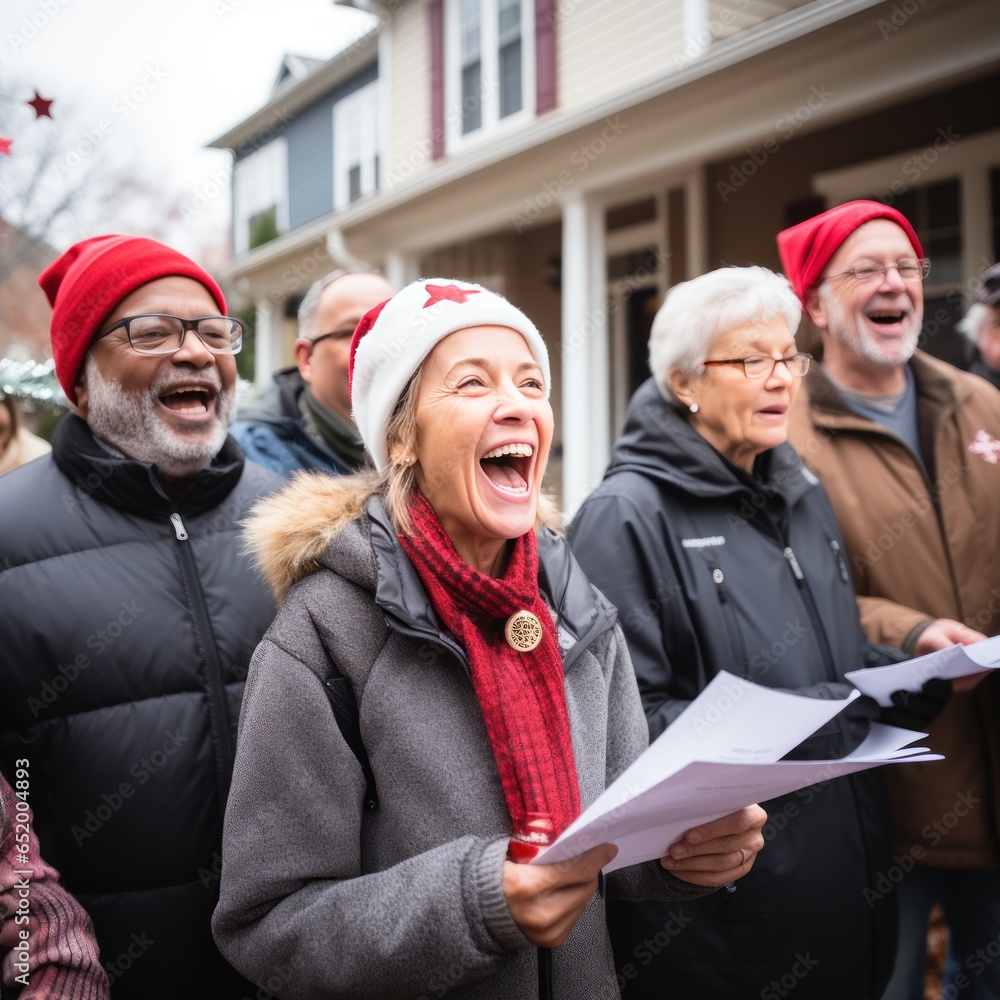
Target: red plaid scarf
point(522, 695)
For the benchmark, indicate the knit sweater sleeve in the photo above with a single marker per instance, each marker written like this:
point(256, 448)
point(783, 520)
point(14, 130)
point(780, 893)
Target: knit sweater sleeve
point(46, 939)
point(627, 738)
point(297, 907)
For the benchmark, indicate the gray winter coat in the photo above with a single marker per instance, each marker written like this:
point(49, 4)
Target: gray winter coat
point(323, 898)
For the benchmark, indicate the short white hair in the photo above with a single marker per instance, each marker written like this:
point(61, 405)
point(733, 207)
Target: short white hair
point(696, 311)
point(972, 322)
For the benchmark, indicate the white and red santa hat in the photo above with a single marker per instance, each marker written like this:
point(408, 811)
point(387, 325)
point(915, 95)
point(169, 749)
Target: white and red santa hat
point(392, 340)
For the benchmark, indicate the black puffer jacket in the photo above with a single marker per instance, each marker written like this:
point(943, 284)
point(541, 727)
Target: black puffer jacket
point(712, 569)
point(127, 630)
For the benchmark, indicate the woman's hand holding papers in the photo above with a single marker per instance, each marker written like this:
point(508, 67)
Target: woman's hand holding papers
point(716, 853)
point(545, 901)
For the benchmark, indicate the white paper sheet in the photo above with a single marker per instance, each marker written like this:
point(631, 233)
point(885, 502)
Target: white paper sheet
point(911, 675)
point(721, 754)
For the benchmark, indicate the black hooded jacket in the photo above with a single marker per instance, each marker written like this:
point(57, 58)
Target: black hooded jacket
point(713, 569)
point(127, 629)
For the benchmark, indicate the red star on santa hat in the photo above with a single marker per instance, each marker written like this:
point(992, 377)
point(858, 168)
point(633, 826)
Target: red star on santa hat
point(5, 145)
point(447, 293)
point(41, 106)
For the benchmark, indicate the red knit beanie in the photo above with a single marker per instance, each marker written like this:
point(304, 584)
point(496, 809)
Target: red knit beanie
point(806, 249)
point(86, 283)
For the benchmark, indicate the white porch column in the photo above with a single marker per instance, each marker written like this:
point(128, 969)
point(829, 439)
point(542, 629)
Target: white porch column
point(976, 239)
point(268, 340)
point(697, 33)
point(696, 206)
point(586, 384)
point(400, 269)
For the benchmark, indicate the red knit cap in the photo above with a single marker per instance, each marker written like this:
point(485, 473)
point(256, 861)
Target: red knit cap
point(86, 283)
point(806, 249)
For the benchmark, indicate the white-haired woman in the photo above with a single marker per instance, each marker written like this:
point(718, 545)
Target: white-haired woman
point(720, 550)
point(374, 856)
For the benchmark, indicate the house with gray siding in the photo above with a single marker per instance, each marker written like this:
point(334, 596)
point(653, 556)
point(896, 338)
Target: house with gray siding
point(583, 156)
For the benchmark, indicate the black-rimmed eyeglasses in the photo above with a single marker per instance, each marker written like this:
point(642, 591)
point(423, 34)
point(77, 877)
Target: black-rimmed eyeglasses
point(162, 333)
point(759, 366)
point(908, 270)
point(336, 335)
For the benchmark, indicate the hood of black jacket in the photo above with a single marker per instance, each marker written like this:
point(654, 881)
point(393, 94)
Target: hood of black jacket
point(661, 445)
point(134, 486)
point(278, 403)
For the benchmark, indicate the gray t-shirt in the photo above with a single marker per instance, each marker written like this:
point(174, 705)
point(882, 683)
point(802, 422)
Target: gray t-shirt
point(897, 414)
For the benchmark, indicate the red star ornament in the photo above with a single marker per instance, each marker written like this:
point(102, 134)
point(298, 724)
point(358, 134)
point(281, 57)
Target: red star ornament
point(41, 106)
point(5, 145)
point(447, 293)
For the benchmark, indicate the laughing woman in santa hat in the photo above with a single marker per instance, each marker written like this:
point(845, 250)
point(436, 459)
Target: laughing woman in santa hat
point(374, 851)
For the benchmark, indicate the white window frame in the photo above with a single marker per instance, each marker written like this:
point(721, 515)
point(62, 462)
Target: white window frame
point(969, 159)
point(264, 169)
point(491, 123)
point(364, 105)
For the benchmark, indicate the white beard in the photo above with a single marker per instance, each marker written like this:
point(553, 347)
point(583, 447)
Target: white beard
point(848, 331)
point(130, 422)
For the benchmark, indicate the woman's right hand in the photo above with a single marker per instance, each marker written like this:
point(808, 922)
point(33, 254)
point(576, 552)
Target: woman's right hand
point(547, 900)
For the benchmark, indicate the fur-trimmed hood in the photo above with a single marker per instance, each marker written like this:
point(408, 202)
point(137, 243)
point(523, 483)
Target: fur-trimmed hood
point(288, 532)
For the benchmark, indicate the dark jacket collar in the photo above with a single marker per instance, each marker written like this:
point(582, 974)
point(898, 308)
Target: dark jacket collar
point(661, 445)
point(278, 403)
point(983, 370)
point(135, 487)
point(582, 612)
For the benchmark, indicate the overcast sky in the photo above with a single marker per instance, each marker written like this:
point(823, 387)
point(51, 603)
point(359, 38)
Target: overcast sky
point(153, 81)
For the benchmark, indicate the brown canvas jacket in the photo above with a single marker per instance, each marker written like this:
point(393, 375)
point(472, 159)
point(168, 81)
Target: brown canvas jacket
point(924, 544)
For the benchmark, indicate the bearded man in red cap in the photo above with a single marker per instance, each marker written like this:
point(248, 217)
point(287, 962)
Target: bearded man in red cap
point(907, 448)
point(130, 613)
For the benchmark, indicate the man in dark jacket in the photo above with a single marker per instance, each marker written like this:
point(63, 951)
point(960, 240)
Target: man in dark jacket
point(129, 612)
point(982, 326)
point(303, 421)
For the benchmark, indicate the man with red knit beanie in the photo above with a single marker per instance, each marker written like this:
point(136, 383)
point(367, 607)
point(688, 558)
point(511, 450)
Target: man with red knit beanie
point(130, 612)
point(907, 448)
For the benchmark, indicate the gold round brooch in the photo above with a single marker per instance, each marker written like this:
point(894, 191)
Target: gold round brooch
point(523, 631)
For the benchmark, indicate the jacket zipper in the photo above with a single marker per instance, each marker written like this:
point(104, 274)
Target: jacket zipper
point(732, 626)
point(844, 575)
point(812, 610)
point(221, 738)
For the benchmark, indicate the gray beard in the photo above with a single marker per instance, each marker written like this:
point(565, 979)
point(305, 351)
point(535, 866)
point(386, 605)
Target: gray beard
point(130, 422)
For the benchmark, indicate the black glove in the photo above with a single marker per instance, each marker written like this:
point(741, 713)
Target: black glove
point(914, 709)
point(844, 732)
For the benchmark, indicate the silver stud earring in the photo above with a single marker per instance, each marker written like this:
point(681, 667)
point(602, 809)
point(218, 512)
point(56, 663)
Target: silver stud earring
point(693, 407)
point(407, 460)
